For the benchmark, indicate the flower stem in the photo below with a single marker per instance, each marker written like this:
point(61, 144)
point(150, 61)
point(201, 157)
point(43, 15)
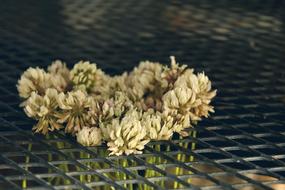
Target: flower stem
point(81, 177)
point(125, 164)
point(24, 182)
point(193, 146)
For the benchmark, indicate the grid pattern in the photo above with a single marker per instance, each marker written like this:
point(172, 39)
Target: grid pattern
point(239, 44)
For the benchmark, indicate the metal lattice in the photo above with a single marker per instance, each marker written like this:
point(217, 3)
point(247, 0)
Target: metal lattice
point(239, 44)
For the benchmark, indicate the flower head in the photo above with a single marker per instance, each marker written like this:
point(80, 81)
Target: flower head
point(93, 113)
point(106, 86)
point(60, 76)
point(126, 134)
point(83, 75)
point(149, 102)
point(182, 99)
point(58, 67)
point(75, 106)
point(89, 136)
point(171, 74)
point(144, 78)
point(33, 80)
point(101, 87)
point(178, 103)
point(157, 125)
point(43, 109)
point(201, 87)
point(206, 94)
point(116, 106)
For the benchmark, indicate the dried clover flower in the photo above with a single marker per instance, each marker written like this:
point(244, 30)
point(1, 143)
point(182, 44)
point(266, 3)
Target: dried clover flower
point(33, 80)
point(158, 127)
point(146, 86)
point(118, 82)
point(182, 99)
point(182, 121)
point(144, 78)
point(43, 109)
point(126, 135)
point(58, 67)
point(201, 86)
point(116, 106)
point(83, 75)
point(101, 88)
point(178, 104)
point(149, 102)
point(188, 79)
point(205, 95)
point(114, 84)
point(60, 76)
point(89, 136)
point(170, 75)
point(94, 112)
point(106, 128)
point(75, 106)
point(189, 100)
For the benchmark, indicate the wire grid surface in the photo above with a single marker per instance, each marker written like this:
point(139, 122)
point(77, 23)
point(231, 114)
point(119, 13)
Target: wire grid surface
point(239, 44)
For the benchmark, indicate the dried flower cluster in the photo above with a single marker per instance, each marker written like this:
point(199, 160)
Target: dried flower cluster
point(126, 111)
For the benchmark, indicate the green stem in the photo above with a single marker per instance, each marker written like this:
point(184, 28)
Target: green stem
point(153, 161)
point(149, 173)
point(89, 166)
point(64, 167)
point(193, 146)
point(49, 155)
point(125, 164)
point(81, 177)
point(177, 169)
point(159, 162)
point(117, 172)
point(24, 182)
point(49, 169)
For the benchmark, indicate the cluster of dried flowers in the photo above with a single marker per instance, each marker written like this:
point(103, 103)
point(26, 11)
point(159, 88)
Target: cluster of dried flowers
point(126, 111)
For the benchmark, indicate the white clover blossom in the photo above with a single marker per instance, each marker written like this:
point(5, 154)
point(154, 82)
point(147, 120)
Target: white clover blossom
point(116, 106)
point(89, 136)
point(144, 78)
point(83, 75)
point(93, 113)
point(58, 67)
point(171, 74)
point(60, 76)
point(117, 83)
point(101, 88)
point(178, 104)
point(43, 109)
point(127, 135)
point(75, 106)
point(206, 94)
point(182, 99)
point(33, 80)
point(201, 86)
point(158, 126)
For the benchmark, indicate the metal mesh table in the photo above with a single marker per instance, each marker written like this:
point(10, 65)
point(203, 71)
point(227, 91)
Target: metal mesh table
point(239, 44)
